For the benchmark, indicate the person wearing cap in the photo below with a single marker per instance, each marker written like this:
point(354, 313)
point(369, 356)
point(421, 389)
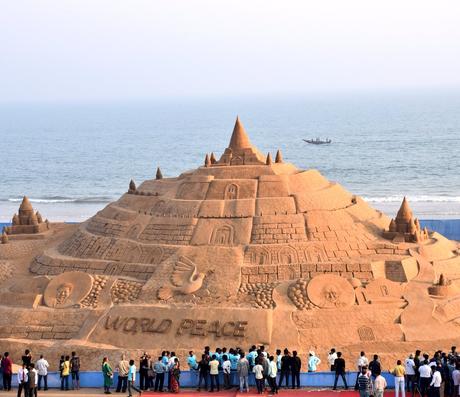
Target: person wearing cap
point(313, 361)
point(409, 366)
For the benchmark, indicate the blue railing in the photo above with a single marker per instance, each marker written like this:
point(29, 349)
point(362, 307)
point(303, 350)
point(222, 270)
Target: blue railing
point(190, 379)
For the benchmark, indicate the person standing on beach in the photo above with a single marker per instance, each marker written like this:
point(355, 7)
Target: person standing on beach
point(132, 379)
point(7, 369)
point(399, 372)
point(285, 368)
point(214, 372)
point(272, 375)
point(159, 368)
point(364, 383)
point(226, 369)
point(259, 375)
point(339, 365)
point(65, 373)
point(42, 368)
point(331, 357)
point(409, 366)
point(143, 371)
point(242, 369)
point(296, 365)
point(380, 385)
point(203, 371)
point(107, 372)
point(362, 362)
point(27, 358)
point(23, 379)
point(75, 371)
point(33, 378)
point(123, 369)
point(435, 385)
point(313, 361)
point(375, 366)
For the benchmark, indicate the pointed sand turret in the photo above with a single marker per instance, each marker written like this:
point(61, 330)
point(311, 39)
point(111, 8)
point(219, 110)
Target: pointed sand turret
point(159, 175)
point(240, 150)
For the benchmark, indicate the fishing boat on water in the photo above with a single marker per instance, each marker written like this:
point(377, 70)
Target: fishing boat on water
point(318, 141)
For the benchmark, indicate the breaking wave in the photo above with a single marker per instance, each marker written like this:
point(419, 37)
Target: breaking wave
point(414, 199)
point(63, 199)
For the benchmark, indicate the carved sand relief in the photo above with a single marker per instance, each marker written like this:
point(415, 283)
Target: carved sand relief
point(226, 253)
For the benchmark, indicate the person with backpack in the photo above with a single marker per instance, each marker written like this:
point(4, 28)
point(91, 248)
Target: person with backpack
point(75, 371)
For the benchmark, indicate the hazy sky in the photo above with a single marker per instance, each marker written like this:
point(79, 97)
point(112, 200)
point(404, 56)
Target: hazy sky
point(134, 49)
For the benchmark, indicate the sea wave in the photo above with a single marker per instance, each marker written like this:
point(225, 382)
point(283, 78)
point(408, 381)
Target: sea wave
point(414, 199)
point(63, 199)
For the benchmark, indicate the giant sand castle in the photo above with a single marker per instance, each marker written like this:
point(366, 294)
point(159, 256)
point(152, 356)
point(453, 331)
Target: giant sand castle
point(246, 249)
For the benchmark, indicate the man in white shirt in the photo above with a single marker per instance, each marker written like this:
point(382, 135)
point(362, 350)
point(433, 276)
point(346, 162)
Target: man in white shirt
point(380, 385)
point(272, 371)
point(425, 377)
point(362, 362)
point(23, 378)
point(226, 369)
point(436, 382)
point(42, 368)
point(409, 366)
point(331, 357)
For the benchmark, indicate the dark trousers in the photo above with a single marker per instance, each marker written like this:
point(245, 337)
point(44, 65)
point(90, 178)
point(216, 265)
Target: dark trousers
point(260, 383)
point(159, 381)
point(435, 391)
point(65, 382)
point(203, 377)
point(122, 384)
point(226, 381)
point(143, 379)
point(33, 391)
point(272, 383)
point(131, 385)
point(7, 382)
point(424, 386)
point(215, 381)
point(283, 374)
point(295, 379)
point(23, 386)
point(337, 374)
point(45, 381)
point(410, 380)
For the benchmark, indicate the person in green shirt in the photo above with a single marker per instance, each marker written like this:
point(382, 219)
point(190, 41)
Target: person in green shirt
point(107, 372)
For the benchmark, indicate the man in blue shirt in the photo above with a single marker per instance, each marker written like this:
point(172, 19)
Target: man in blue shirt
point(159, 368)
point(132, 378)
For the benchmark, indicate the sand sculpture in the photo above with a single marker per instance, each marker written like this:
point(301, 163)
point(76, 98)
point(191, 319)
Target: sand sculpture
point(241, 250)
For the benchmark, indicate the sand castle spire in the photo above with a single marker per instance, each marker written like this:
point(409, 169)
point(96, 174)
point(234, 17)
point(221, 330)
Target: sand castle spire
point(158, 175)
point(132, 186)
point(25, 205)
point(213, 158)
point(240, 150)
point(207, 161)
point(239, 139)
point(404, 213)
point(268, 161)
point(279, 157)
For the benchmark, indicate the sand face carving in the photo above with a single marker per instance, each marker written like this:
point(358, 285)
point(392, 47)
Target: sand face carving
point(242, 250)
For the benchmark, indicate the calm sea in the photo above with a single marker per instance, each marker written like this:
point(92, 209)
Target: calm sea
point(73, 159)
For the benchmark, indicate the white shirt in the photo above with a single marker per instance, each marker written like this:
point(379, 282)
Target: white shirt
point(42, 367)
point(456, 377)
point(259, 371)
point(380, 383)
point(425, 371)
point(331, 358)
point(362, 361)
point(409, 365)
point(437, 380)
point(227, 366)
point(23, 373)
point(273, 370)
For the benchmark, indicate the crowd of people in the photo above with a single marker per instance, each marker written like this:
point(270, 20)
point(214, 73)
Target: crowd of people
point(429, 376)
point(32, 374)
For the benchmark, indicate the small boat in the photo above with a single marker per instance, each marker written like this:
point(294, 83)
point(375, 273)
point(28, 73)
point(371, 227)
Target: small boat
point(318, 141)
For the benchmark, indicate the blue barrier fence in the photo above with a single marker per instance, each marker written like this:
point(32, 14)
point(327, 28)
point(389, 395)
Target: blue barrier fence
point(190, 379)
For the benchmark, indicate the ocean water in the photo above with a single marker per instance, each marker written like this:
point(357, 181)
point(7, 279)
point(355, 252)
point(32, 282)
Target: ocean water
point(73, 159)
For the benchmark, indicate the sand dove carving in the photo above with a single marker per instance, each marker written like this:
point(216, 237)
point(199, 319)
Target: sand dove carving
point(185, 278)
